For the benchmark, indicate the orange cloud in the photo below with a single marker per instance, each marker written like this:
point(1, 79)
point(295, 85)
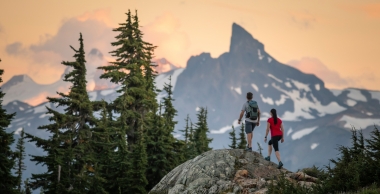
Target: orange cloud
point(314, 66)
point(102, 15)
point(303, 19)
point(371, 10)
point(34, 101)
point(173, 43)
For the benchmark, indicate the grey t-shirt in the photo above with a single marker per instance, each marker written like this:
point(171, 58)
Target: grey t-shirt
point(245, 108)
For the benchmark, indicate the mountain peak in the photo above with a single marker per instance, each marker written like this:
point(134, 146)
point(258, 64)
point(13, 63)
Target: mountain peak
point(242, 40)
point(17, 79)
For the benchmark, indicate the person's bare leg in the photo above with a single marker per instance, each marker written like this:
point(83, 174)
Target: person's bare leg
point(249, 139)
point(278, 156)
point(269, 150)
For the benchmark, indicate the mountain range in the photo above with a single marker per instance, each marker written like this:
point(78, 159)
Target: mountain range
point(316, 119)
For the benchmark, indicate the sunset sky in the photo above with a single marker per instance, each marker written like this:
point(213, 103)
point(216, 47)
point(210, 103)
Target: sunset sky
point(338, 40)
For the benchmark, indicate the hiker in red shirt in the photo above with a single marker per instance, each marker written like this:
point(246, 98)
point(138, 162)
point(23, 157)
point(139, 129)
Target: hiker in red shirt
point(277, 133)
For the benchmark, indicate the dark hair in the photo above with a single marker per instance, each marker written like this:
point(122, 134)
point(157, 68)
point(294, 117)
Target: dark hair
point(274, 114)
point(249, 95)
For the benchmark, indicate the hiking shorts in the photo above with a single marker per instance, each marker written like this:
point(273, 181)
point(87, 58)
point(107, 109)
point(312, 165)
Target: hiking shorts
point(249, 127)
point(274, 141)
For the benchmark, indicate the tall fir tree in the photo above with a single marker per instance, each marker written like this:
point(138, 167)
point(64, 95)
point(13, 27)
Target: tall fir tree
point(242, 140)
point(27, 187)
point(70, 160)
point(200, 135)
point(9, 181)
point(133, 71)
point(158, 146)
point(192, 148)
point(20, 156)
point(233, 138)
point(186, 141)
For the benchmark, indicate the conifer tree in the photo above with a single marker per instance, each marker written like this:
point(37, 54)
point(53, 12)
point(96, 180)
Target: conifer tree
point(233, 138)
point(9, 182)
point(192, 149)
point(158, 148)
point(27, 187)
point(137, 173)
point(70, 160)
point(200, 135)
point(242, 141)
point(20, 156)
point(186, 146)
point(133, 71)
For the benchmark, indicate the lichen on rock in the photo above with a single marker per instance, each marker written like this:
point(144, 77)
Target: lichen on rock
point(225, 171)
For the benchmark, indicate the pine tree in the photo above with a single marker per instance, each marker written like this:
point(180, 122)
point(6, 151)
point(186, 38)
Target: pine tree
point(233, 138)
point(27, 187)
point(70, 160)
point(158, 149)
point(20, 156)
point(9, 182)
point(133, 71)
point(186, 146)
point(200, 135)
point(242, 141)
point(136, 174)
point(192, 143)
point(133, 61)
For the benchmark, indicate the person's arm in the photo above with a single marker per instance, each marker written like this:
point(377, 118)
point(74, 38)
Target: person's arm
point(266, 132)
point(283, 133)
point(258, 117)
point(241, 116)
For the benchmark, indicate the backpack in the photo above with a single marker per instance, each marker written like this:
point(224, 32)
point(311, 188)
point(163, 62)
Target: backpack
point(252, 112)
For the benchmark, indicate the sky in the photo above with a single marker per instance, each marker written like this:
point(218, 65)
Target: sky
point(338, 40)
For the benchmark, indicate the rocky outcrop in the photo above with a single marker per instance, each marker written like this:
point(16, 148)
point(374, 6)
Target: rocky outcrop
point(226, 171)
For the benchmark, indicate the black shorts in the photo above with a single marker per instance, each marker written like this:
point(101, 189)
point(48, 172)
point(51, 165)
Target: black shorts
point(274, 141)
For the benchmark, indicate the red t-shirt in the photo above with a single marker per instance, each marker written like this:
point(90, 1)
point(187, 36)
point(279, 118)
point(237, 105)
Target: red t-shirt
point(275, 130)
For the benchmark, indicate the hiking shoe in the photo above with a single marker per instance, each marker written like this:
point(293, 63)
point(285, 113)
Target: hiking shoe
point(248, 149)
point(267, 158)
point(280, 165)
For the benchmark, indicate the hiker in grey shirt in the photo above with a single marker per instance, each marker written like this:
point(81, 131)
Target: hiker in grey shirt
point(249, 124)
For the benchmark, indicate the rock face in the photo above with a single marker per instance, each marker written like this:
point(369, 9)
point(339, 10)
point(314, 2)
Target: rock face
point(226, 171)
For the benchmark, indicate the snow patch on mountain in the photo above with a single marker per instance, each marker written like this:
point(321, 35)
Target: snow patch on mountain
point(299, 134)
point(369, 113)
point(288, 84)
point(225, 128)
point(269, 59)
point(163, 78)
point(282, 100)
point(375, 95)
point(41, 108)
point(92, 96)
point(259, 54)
point(254, 86)
point(302, 105)
point(18, 131)
point(107, 92)
point(359, 123)
point(350, 102)
point(300, 85)
point(314, 145)
point(267, 100)
point(356, 95)
point(274, 77)
point(266, 85)
point(289, 131)
point(317, 87)
point(238, 90)
point(252, 70)
point(336, 92)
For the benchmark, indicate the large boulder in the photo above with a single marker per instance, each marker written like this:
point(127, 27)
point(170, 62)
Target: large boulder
point(225, 171)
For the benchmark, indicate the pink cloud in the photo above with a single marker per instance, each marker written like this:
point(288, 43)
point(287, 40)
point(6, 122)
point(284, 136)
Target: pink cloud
point(172, 43)
point(314, 66)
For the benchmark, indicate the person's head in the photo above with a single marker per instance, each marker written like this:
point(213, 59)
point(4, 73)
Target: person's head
point(249, 96)
point(273, 113)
